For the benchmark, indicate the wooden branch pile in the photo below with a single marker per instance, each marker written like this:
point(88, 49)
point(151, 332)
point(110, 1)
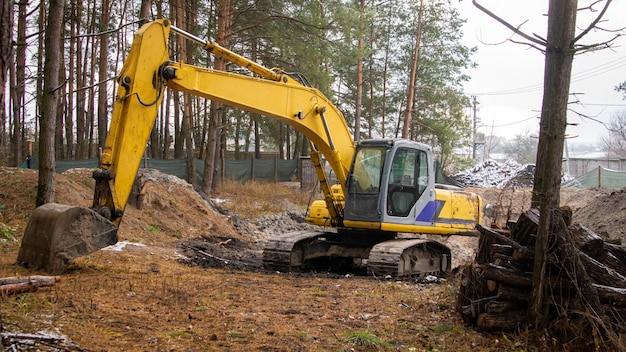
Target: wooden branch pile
point(585, 275)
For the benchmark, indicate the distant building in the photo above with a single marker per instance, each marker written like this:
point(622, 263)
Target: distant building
point(579, 164)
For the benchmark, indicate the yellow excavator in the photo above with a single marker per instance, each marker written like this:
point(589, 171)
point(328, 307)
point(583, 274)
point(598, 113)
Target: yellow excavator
point(385, 189)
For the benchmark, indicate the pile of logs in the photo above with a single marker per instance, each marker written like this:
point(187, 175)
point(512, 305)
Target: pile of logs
point(581, 266)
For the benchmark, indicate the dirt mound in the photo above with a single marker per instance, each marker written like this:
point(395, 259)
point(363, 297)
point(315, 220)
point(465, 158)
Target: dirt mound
point(507, 203)
point(605, 214)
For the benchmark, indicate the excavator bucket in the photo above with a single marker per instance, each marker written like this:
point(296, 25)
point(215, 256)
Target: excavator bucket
point(57, 233)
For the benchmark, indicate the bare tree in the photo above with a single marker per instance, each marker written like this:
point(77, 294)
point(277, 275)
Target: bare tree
point(522, 149)
point(559, 47)
point(52, 62)
point(615, 143)
point(621, 88)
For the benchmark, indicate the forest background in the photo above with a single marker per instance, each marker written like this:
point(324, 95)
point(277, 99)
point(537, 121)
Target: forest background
point(358, 53)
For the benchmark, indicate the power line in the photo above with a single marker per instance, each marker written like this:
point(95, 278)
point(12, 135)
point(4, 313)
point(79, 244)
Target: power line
point(515, 122)
point(578, 76)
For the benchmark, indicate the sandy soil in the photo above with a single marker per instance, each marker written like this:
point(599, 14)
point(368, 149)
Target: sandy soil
point(187, 277)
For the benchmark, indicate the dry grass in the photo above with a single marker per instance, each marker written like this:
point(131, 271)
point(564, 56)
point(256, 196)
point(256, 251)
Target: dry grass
point(255, 198)
point(143, 300)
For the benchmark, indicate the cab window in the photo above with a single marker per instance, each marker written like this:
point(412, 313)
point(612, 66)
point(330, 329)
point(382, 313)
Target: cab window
point(407, 181)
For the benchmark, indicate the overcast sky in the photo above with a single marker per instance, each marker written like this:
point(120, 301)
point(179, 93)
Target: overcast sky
point(508, 82)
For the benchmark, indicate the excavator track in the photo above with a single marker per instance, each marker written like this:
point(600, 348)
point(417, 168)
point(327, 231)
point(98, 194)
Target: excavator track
point(397, 258)
point(408, 257)
point(286, 252)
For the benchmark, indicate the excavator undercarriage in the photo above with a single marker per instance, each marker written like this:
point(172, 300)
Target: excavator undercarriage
point(317, 250)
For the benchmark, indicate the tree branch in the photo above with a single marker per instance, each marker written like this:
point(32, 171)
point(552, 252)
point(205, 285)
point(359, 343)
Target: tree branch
point(516, 30)
point(594, 22)
point(597, 46)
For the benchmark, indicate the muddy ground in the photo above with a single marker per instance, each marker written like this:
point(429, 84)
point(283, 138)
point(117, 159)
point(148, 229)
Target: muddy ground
point(187, 276)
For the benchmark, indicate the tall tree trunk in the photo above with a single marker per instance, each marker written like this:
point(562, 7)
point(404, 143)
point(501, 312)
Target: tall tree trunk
point(372, 97)
point(281, 141)
point(71, 81)
point(250, 129)
point(383, 114)
point(178, 140)
point(80, 83)
point(297, 145)
point(144, 17)
point(224, 23)
point(59, 147)
point(238, 121)
point(408, 114)
point(40, 62)
point(6, 43)
point(53, 56)
point(288, 142)
point(91, 105)
point(167, 138)
point(546, 189)
point(103, 73)
point(144, 12)
point(19, 83)
point(185, 20)
point(257, 138)
point(359, 75)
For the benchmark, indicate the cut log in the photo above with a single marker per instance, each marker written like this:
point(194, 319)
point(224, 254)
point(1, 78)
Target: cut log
point(484, 253)
point(601, 274)
point(32, 278)
point(514, 294)
point(611, 295)
point(617, 250)
point(507, 321)
point(500, 238)
point(587, 241)
point(614, 263)
point(525, 230)
point(504, 249)
point(478, 306)
point(15, 285)
point(473, 287)
point(581, 268)
point(506, 276)
point(497, 306)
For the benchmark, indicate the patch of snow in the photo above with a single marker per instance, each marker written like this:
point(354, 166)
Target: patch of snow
point(219, 200)
point(491, 173)
point(119, 246)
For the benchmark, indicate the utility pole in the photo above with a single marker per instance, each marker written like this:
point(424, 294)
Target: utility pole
point(474, 134)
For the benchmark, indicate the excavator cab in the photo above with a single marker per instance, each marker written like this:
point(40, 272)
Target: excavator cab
point(388, 182)
point(391, 187)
